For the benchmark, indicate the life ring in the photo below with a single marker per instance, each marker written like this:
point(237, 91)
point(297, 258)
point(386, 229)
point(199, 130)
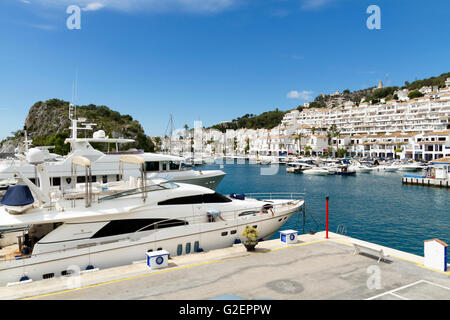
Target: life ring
point(159, 260)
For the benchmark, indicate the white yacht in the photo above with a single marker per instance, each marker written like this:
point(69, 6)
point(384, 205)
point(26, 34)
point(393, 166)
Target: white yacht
point(106, 164)
point(95, 225)
point(411, 166)
point(317, 171)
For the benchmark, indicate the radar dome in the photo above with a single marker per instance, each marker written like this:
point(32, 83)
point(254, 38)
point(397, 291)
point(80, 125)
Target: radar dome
point(100, 134)
point(35, 156)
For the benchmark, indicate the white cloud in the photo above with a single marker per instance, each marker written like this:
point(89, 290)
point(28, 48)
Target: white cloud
point(293, 95)
point(314, 4)
point(46, 27)
point(195, 6)
point(25, 1)
point(297, 57)
point(305, 95)
point(94, 6)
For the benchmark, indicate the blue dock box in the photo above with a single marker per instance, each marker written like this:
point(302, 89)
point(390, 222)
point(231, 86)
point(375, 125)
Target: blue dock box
point(157, 259)
point(288, 236)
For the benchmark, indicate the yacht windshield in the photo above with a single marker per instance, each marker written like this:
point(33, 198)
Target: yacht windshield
point(150, 188)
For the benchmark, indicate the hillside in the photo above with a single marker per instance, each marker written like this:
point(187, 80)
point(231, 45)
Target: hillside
point(266, 120)
point(271, 119)
point(48, 124)
point(374, 94)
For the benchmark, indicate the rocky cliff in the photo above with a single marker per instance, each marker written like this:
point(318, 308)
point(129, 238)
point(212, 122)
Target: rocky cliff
point(48, 124)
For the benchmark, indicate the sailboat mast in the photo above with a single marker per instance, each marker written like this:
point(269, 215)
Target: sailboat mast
point(171, 131)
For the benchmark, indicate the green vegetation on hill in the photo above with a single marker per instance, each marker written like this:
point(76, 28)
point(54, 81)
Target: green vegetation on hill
point(375, 95)
point(266, 120)
point(430, 82)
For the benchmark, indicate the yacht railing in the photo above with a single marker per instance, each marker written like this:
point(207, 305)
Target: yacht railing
point(276, 195)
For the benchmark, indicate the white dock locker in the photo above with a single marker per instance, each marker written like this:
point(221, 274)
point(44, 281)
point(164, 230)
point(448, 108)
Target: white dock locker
point(435, 253)
point(288, 236)
point(158, 259)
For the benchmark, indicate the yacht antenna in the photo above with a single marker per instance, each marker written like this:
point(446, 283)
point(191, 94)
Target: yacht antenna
point(171, 132)
point(27, 142)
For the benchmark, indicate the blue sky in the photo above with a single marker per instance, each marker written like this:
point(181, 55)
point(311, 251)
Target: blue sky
point(212, 60)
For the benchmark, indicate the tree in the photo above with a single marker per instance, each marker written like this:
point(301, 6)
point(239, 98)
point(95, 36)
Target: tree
point(415, 94)
point(332, 133)
point(298, 138)
point(308, 150)
point(341, 152)
point(247, 145)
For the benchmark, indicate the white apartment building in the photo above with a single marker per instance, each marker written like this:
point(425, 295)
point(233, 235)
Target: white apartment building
point(425, 114)
point(415, 129)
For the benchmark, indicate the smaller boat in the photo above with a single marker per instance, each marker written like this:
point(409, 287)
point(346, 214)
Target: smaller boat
point(411, 167)
point(345, 171)
point(297, 167)
point(317, 171)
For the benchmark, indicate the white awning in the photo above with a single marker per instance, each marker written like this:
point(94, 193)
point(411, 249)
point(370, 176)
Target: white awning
point(132, 159)
point(81, 161)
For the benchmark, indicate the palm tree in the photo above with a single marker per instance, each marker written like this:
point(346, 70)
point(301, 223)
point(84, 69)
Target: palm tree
point(299, 137)
point(332, 133)
point(308, 150)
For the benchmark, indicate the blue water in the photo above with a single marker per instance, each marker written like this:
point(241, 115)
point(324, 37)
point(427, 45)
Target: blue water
point(374, 207)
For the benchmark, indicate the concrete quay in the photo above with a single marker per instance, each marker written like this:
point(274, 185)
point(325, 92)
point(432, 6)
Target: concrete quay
point(314, 268)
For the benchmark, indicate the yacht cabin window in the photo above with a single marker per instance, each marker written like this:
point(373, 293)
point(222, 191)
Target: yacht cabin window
point(56, 181)
point(151, 166)
point(201, 198)
point(174, 165)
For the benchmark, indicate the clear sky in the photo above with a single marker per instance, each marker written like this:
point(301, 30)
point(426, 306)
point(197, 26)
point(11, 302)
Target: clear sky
point(212, 60)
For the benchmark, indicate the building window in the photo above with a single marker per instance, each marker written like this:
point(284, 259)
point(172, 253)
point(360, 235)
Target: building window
point(179, 249)
point(224, 233)
point(233, 231)
point(188, 247)
point(196, 246)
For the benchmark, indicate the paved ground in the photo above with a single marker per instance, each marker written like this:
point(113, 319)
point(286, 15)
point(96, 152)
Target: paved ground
point(315, 268)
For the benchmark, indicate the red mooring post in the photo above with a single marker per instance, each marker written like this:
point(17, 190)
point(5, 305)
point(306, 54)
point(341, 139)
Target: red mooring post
point(326, 236)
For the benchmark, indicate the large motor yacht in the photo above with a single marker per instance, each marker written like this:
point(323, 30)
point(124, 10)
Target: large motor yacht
point(102, 225)
point(105, 164)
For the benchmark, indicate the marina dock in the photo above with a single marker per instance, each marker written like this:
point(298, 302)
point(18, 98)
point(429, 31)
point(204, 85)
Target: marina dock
point(420, 181)
point(313, 268)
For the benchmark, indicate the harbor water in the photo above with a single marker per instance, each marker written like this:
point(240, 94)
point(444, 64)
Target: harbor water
point(374, 207)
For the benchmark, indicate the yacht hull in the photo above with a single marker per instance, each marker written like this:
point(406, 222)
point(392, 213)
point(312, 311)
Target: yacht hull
point(205, 236)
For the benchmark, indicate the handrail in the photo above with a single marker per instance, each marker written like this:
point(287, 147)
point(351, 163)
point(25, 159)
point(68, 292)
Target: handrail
point(278, 195)
point(129, 192)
